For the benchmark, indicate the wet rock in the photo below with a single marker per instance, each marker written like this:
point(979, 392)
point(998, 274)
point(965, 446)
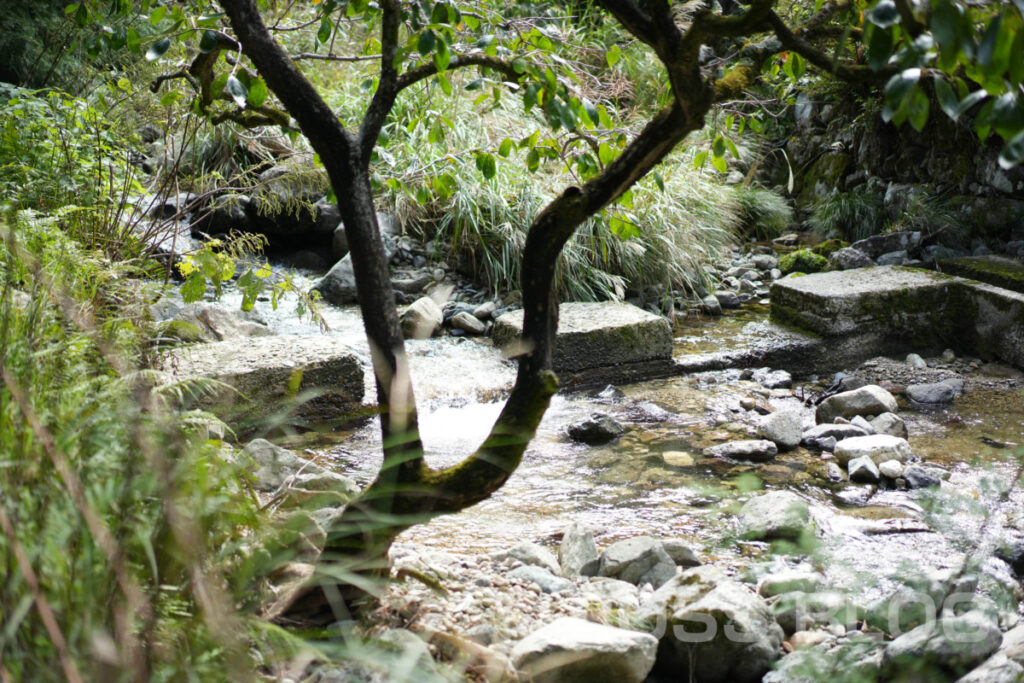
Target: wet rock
point(893, 469)
point(774, 515)
point(892, 258)
point(996, 669)
point(878, 447)
point(572, 650)
point(788, 240)
point(678, 459)
point(789, 582)
point(638, 561)
point(920, 477)
point(830, 430)
point(485, 310)
point(275, 465)
point(704, 613)
point(915, 361)
point(612, 593)
point(877, 245)
point(529, 554)
point(710, 305)
point(577, 549)
point(889, 423)
point(599, 428)
point(754, 450)
point(935, 394)
point(954, 644)
point(548, 582)
point(765, 261)
point(868, 400)
point(338, 286)
point(339, 243)
point(208, 322)
point(422, 319)
point(681, 553)
point(727, 299)
point(772, 379)
point(468, 323)
point(1013, 644)
point(848, 258)
point(409, 650)
point(833, 472)
point(783, 428)
point(1011, 551)
point(863, 470)
point(956, 383)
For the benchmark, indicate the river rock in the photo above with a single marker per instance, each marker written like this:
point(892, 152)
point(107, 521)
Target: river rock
point(599, 428)
point(947, 644)
point(678, 459)
point(596, 335)
point(878, 447)
point(422, 319)
point(727, 299)
point(548, 582)
point(529, 553)
point(784, 428)
point(920, 477)
point(710, 305)
point(789, 582)
point(860, 421)
point(938, 393)
point(889, 423)
point(868, 400)
point(996, 669)
point(468, 323)
point(264, 375)
point(863, 470)
point(485, 310)
point(571, 650)
point(877, 245)
point(754, 450)
point(1013, 644)
point(892, 258)
point(713, 629)
point(577, 550)
point(772, 379)
point(776, 514)
point(799, 611)
point(638, 561)
point(204, 321)
point(612, 593)
point(681, 553)
point(848, 258)
point(765, 261)
point(893, 469)
point(338, 286)
point(275, 465)
point(915, 361)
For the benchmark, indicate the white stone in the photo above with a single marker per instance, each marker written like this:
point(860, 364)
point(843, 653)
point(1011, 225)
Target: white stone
point(878, 447)
point(422, 319)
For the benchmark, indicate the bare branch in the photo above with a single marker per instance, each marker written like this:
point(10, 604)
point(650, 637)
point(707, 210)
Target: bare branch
point(334, 58)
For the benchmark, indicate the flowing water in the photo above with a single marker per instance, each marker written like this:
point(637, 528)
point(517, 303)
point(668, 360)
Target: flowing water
point(654, 480)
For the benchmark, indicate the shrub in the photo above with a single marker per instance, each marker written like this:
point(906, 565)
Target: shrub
point(852, 215)
point(764, 213)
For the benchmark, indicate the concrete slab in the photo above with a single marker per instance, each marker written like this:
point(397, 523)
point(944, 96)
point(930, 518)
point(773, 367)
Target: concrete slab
point(602, 341)
point(1000, 271)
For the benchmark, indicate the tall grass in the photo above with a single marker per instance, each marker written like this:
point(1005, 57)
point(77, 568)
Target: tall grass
point(853, 215)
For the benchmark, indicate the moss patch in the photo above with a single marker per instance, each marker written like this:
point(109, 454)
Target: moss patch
point(827, 247)
point(1001, 272)
point(802, 260)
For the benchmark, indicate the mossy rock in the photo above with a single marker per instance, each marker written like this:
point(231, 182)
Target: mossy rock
point(802, 260)
point(827, 247)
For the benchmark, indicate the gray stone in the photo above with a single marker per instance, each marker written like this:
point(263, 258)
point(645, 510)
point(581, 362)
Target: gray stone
point(339, 243)
point(863, 470)
point(799, 611)
point(892, 258)
point(774, 515)
point(765, 261)
point(860, 421)
point(784, 428)
point(529, 553)
point(710, 305)
point(595, 335)
point(1013, 644)
point(938, 393)
point(772, 379)
point(411, 658)
point(956, 384)
point(754, 450)
point(484, 310)
point(468, 323)
point(878, 447)
point(949, 643)
point(789, 582)
point(893, 469)
point(713, 629)
point(878, 245)
point(338, 286)
point(612, 593)
point(203, 321)
point(868, 400)
point(915, 361)
point(996, 669)
point(263, 376)
point(920, 477)
point(577, 549)
point(681, 553)
point(275, 465)
point(889, 423)
point(548, 582)
point(571, 650)
point(727, 299)
point(599, 428)
point(848, 258)
point(837, 432)
point(638, 561)
point(422, 319)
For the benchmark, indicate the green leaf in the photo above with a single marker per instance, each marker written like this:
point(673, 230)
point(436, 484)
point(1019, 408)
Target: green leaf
point(442, 57)
point(239, 93)
point(945, 20)
point(613, 55)
point(1008, 115)
point(972, 99)
point(426, 42)
point(987, 48)
point(133, 41)
point(193, 288)
point(884, 14)
point(169, 98)
point(323, 34)
point(947, 98)
point(258, 93)
point(158, 49)
point(897, 89)
point(917, 109)
point(506, 147)
point(605, 153)
point(475, 84)
point(533, 159)
point(445, 84)
point(530, 94)
point(439, 15)
point(983, 124)
point(1013, 152)
point(485, 40)
point(880, 46)
point(208, 42)
point(485, 164)
point(719, 164)
point(700, 158)
point(157, 15)
point(718, 146)
point(659, 181)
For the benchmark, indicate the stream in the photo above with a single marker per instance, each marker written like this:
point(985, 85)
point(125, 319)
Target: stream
point(654, 480)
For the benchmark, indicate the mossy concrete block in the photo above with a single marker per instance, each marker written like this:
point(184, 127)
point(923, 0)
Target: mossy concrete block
point(998, 322)
point(595, 335)
point(310, 377)
point(1000, 271)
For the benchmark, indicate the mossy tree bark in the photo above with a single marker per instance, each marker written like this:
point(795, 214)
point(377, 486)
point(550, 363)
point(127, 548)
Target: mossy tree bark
point(407, 491)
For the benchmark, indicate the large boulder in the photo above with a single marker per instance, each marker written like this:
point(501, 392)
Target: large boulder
point(422, 319)
point(944, 646)
point(935, 393)
point(638, 561)
point(204, 321)
point(311, 377)
point(848, 258)
point(529, 553)
point(595, 335)
point(577, 549)
point(877, 447)
point(815, 434)
point(774, 515)
point(868, 400)
point(712, 629)
point(784, 428)
point(572, 650)
point(597, 429)
point(338, 286)
point(877, 245)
